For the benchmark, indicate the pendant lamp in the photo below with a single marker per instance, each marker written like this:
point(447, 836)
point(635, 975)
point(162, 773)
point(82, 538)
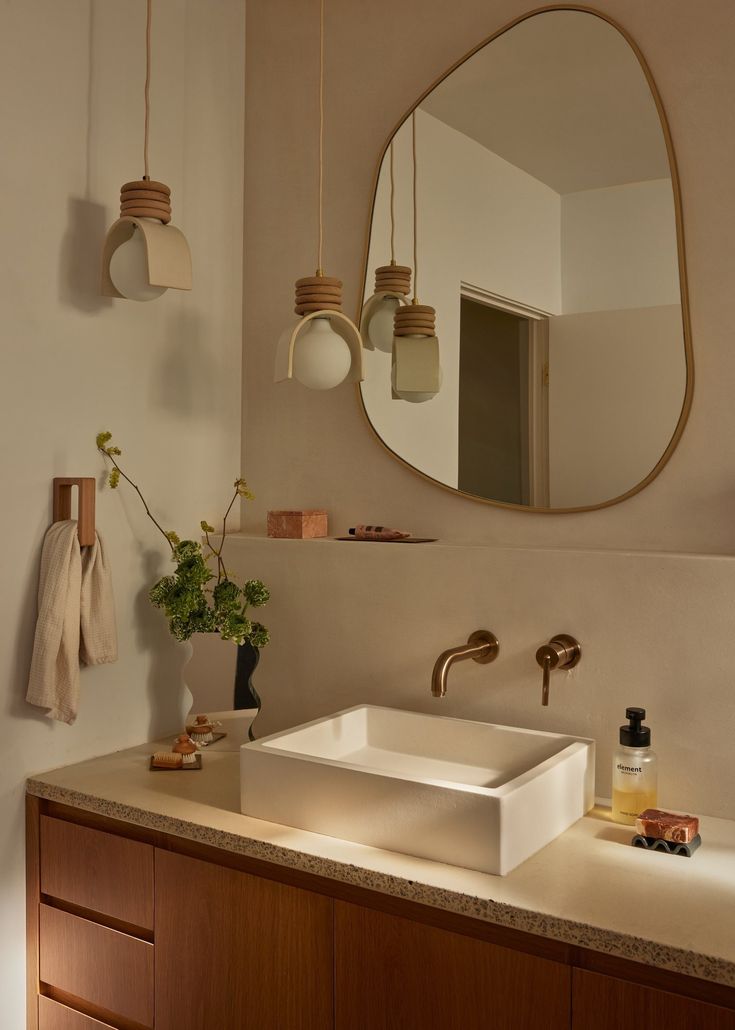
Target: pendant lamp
point(392, 286)
point(144, 255)
point(323, 348)
point(415, 373)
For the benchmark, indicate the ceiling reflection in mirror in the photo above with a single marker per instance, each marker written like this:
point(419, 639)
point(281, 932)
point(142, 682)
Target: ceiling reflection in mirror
point(546, 240)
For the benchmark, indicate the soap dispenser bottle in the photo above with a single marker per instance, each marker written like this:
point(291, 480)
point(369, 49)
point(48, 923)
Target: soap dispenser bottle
point(635, 770)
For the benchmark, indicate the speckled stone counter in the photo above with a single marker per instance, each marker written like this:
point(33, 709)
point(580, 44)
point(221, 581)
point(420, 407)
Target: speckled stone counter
point(588, 887)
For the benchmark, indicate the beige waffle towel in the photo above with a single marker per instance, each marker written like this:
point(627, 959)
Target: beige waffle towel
point(76, 620)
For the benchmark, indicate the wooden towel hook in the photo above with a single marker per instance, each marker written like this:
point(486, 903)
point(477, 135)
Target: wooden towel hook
point(85, 505)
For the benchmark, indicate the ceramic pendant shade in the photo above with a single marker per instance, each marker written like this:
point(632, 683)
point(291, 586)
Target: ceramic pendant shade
point(415, 370)
point(159, 256)
point(144, 255)
point(392, 286)
point(323, 348)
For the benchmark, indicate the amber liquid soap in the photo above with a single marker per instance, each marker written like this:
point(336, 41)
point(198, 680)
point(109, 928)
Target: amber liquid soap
point(627, 805)
point(635, 770)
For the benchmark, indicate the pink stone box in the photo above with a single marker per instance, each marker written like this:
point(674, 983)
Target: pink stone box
point(297, 525)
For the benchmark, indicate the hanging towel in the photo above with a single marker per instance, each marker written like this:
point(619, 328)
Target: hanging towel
point(98, 644)
point(76, 620)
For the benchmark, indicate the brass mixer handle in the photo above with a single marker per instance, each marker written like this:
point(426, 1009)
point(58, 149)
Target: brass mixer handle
point(562, 652)
point(546, 681)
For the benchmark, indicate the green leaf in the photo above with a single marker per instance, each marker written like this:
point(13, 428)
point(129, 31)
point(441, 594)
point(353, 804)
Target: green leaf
point(256, 593)
point(242, 489)
point(259, 635)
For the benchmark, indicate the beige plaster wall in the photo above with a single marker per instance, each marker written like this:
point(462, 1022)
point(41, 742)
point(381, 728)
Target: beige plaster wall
point(164, 376)
point(313, 449)
point(357, 622)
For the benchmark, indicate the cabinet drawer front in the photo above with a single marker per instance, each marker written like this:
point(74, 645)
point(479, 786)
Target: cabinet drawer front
point(53, 1016)
point(102, 966)
point(99, 871)
point(391, 972)
point(607, 1003)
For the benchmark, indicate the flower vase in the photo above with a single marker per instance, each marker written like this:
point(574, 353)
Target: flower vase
point(246, 696)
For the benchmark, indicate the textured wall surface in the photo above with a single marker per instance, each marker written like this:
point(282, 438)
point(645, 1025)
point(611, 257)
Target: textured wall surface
point(352, 623)
point(310, 449)
point(164, 376)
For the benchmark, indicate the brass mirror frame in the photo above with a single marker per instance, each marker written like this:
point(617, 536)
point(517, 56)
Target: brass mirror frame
point(685, 313)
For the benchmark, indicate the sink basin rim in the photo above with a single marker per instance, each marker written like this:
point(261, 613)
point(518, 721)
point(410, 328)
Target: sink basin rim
point(574, 745)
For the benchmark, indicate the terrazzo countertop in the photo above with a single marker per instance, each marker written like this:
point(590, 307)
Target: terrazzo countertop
point(588, 887)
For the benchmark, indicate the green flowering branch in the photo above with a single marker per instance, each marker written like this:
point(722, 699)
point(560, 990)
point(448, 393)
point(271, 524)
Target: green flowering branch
point(188, 603)
point(111, 452)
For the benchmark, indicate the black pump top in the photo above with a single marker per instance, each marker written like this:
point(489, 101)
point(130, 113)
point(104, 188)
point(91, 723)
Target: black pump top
point(635, 735)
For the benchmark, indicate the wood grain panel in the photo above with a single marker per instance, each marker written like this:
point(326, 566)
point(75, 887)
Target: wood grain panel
point(237, 952)
point(610, 965)
point(97, 871)
point(100, 965)
point(53, 1016)
point(33, 898)
point(396, 974)
point(604, 1003)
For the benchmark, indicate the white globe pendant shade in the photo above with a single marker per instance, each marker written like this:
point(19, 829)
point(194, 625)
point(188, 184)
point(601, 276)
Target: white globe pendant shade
point(129, 270)
point(377, 321)
point(321, 357)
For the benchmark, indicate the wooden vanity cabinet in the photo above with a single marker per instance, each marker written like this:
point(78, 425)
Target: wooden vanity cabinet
point(606, 1003)
point(132, 929)
point(235, 951)
point(396, 974)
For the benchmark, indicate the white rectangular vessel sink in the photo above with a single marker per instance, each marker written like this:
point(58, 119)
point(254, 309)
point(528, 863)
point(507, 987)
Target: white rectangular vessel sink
point(466, 793)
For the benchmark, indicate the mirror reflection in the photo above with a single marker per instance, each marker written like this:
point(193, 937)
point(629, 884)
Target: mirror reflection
point(546, 240)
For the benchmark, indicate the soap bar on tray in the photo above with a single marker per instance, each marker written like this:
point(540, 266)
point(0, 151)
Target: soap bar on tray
point(679, 829)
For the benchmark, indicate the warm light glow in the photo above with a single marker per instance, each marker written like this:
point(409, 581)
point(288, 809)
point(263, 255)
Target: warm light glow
point(321, 357)
point(129, 270)
point(379, 330)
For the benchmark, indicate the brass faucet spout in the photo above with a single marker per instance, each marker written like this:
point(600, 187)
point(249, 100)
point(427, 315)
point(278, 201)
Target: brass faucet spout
point(482, 646)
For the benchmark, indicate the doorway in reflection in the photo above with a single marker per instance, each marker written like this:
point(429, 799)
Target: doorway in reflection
point(503, 405)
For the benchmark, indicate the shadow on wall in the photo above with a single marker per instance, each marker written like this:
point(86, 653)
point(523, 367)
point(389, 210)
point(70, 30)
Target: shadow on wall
point(183, 383)
point(87, 224)
point(79, 257)
point(170, 700)
point(27, 611)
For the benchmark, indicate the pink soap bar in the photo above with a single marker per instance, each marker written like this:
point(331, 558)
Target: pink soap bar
point(680, 829)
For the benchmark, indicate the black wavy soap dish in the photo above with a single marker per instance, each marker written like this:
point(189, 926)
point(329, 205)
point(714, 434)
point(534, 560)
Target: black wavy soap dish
point(669, 847)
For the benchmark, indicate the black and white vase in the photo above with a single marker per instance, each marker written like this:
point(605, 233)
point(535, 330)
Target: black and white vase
point(219, 675)
point(246, 696)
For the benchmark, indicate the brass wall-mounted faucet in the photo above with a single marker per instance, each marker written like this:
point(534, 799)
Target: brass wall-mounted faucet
point(561, 652)
point(482, 646)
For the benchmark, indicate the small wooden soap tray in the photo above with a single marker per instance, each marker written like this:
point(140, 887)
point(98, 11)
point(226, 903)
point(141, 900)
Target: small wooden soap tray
point(176, 768)
point(205, 743)
point(406, 540)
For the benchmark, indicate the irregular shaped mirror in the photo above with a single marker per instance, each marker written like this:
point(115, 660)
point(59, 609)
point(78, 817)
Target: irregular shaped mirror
point(548, 240)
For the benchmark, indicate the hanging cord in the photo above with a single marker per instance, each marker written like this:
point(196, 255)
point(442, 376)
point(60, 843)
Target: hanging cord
point(147, 86)
point(414, 319)
point(415, 217)
point(143, 198)
point(392, 210)
point(319, 269)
